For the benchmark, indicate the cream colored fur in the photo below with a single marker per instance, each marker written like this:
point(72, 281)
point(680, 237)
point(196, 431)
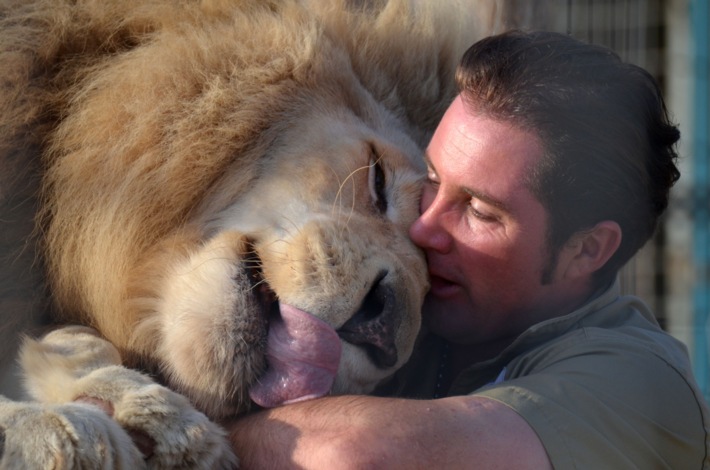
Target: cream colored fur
point(199, 160)
point(69, 371)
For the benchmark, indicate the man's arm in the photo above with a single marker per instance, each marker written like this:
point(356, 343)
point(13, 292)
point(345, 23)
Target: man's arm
point(371, 432)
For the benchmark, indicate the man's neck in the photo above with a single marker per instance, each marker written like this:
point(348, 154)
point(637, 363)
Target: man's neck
point(462, 356)
point(465, 355)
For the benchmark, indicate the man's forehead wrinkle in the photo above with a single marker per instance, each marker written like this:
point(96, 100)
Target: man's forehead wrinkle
point(465, 141)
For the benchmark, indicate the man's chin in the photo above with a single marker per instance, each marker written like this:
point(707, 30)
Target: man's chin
point(445, 320)
point(450, 306)
point(458, 319)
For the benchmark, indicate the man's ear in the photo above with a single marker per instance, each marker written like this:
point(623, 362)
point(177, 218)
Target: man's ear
point(587, 251)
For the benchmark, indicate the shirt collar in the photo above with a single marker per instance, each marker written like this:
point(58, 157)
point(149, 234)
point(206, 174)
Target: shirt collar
point(554, 327)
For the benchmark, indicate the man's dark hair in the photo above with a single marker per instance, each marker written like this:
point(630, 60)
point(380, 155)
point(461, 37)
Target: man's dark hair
point(609, 148)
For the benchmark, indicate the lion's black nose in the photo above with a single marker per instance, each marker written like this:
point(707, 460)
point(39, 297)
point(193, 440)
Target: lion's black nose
point(373, 325)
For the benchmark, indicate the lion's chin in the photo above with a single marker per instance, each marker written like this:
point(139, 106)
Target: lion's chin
point(303, 354)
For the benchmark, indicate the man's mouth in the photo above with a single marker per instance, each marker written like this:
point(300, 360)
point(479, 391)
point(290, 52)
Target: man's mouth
point(442, 287)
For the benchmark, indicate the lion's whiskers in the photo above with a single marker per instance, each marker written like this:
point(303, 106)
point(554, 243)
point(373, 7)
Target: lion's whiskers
point(350, 177)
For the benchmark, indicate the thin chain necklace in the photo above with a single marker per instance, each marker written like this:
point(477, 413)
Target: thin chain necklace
point(442, 372)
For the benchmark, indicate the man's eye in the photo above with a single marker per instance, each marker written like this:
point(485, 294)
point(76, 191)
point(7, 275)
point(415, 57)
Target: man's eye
point(378, 183)
point(481, 215)
point(431, 176)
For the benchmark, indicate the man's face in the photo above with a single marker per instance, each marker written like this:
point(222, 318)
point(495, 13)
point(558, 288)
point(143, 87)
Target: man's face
point(483, 231)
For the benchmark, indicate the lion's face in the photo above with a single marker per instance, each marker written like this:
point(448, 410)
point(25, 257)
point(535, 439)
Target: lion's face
point(306, 283)
point(227, 189)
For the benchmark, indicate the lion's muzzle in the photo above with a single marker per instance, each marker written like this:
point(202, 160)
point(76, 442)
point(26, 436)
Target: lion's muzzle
point(303, 352)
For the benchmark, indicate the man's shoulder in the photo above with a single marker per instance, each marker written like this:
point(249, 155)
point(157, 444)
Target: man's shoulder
point(630, 349)
point(595, 384)
point(624, 329)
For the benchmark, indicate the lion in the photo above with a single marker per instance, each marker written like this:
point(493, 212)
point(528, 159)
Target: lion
point(224, 195)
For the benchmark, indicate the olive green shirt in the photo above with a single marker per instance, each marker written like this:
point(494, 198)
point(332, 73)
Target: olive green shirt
point(603, 387)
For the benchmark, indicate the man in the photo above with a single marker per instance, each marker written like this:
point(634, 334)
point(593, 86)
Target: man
point(546, 174)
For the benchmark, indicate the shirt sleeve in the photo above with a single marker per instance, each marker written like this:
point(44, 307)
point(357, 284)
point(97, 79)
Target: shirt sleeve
point(596, 402)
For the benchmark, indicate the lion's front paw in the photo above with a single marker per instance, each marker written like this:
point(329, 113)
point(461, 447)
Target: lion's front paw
point(74, 369)
point(170, 432)
point(71, 436)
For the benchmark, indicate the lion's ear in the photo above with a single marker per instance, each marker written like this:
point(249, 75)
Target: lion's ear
point(587, 251)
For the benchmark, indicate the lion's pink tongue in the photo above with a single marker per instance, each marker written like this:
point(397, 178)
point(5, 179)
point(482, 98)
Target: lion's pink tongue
point(303, 353)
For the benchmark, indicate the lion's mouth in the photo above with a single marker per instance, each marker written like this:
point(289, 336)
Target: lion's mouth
point(264, 296)
point(303, 352)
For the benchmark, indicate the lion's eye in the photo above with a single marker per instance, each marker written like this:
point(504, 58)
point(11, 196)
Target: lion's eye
point(377, 183)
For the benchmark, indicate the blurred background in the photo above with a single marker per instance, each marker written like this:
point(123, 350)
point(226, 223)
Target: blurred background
point(670, 39)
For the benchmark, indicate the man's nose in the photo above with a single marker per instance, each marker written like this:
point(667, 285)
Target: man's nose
point(427, 232)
